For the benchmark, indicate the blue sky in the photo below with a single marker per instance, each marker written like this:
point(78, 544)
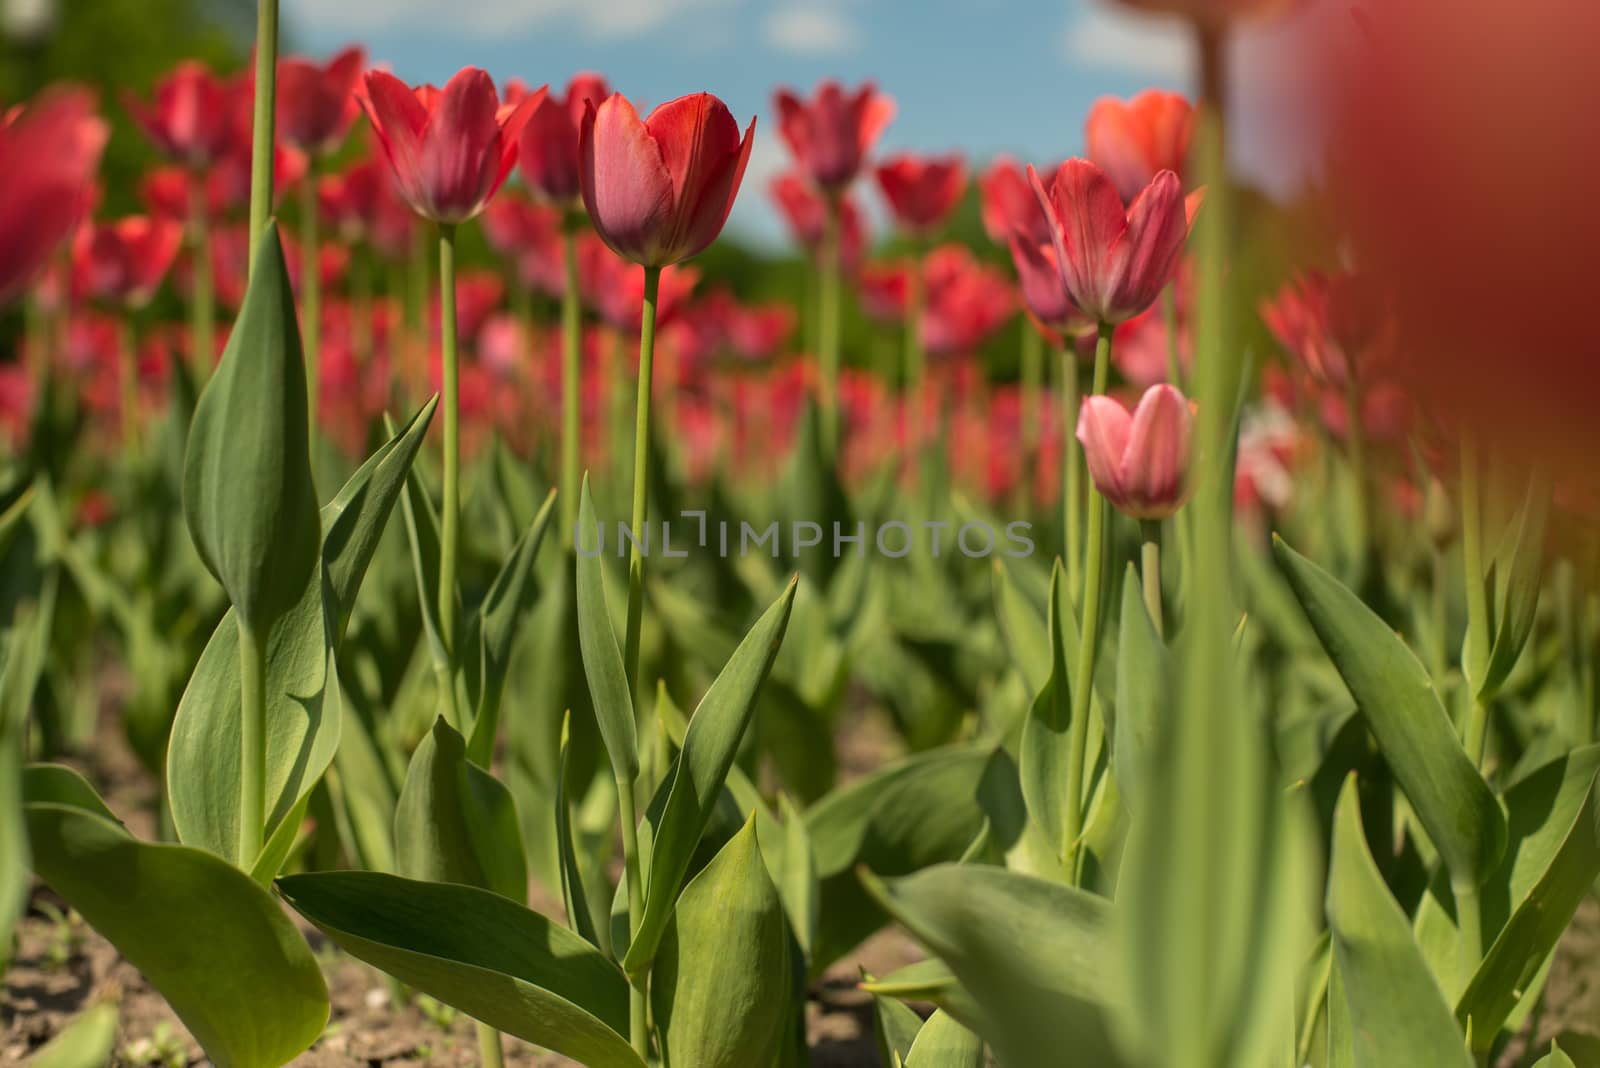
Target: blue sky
point(984, 76)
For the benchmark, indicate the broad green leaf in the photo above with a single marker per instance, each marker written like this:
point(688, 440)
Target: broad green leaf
point(1026, 636)
point(362, 790)
point(1341, 1043)
point(1037, 956)
point(1142, 688)
point(573, 895)
point(305, 712)
point(1403, 710)
point(709, 746)
point(496, 961)
point(1045, 754)
point(1397, 1013)
point(87, 1042)
point(602, 656)
point(456, 823)
point(895, 1025)
point(214, 943)
point(1554, 1059)
point(504, 608)
point(944, 1043)
point(1556, 863)
point(720, 984)
point(248, 496)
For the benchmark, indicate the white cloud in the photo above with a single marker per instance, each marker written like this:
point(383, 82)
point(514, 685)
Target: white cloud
point(808, 28)
point(1108, 40)
point(492, 18)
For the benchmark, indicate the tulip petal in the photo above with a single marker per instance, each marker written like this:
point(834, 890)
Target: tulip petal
point(695, 133)
point(1104, 427)
point(626, 187)
point(1145, 256)
point(459, 162)
point(399, 118)
point(1157, 456)
point(705, 219)
point(1089, 222)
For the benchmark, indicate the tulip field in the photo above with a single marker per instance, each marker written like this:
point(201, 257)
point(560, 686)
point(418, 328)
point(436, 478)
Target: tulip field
point(458, 606)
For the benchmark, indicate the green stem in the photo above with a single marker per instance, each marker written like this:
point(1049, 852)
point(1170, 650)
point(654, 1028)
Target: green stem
point(641, 473)
point(490, 1055)
point(202, 298)
point(1150, 570)
point(1469, 931)
point(1088, 638)
point(311, 296)
point(451, 520)
point(571, 394)
point(1357, 444)
point(262, 148)
point(252, 744)
point(828, 316)
point(1032, 375)
point(1072, 470)
point(638, 1017)
point(1476, 655)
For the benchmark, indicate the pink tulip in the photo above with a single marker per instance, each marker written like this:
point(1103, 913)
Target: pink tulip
point(966, 302)
point(450, 149)
point(191, 119)
point(317, 104)
point(830, 135)
point(659, 190)
point(922, 192)
point(1139, 461)
point(49, 152)
point(125, 261)
point(547, 151)
point(1114, 262)
point(1135, 140)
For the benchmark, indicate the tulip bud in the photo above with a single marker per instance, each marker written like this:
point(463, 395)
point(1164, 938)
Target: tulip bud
point(1139, 460)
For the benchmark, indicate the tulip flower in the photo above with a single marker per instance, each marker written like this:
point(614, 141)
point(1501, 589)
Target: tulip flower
point(922, 192)
point(884, 289)
point(1114, 262)
point(317, 104)
point(49, 152)
point(191, 117)
point(830, 135)
point(547, 152)
point(363, 205)
point(1139, 460)
point(1133, 141)
point(758, 332)
point(659, 190)
point(806, 212)
point(967, 301)
point(450, 149)
point(125, 261)
point(1008, 206)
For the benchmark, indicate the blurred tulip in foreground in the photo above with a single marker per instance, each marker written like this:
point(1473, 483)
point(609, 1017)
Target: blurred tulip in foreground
point(49, 152)
point(1114, 262)
point(1135, 140)
point(450, 149)
point(659, 190)
point(831, 134)
point(922, 192)
point(317, 103)
point(1139, 460)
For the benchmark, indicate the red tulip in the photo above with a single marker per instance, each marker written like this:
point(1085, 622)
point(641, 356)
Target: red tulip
point(1039, 281)
point(966, 302)
point(1135, 140)
point(659, 190)
point(317, 104)
point(527, 235)
point(806, 212)
point(759, 331)
point(1216, 13)
point(1114, 262)
point(922, 192)
point(191, 119)
point(547, 151)
point(124, 262)
point(450, 149)
point(1139, 461)
point(362, 204)
point(49, 152)
point(1333, 325)
point(831, 135)
point(1008, 205)
point(884, 289)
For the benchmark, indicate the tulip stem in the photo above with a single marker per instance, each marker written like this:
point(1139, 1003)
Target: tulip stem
point(1072, 468)
point(641, 473)
point(1357, 444)
point(638, 1015)
point(1150, 570)
point(450, 521)
point(1469, 930)
point(1032, 373)
point(828, 314)
point(202, 296)
point(263, 144)
point(1477, 644)
point(252, 744)
point(1088, 638)
point(490, 1055)
point(311, 299)
point(571, 392)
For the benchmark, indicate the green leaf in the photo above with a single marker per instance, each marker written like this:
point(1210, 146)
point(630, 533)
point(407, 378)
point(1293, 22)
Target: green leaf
point(1555, 1059)
point(214, 943)
point(305, 713)
point(504, 608)
point(1143, 669)
point(13, 843)
point(1037, 956)
point(709, 746)
point(1397, 1013)
point(944, 1043)
point(1397, 697)
point(456, 823)
point(798, 886)
point(496, 961)
point(895, 1025)
point(720, 984)
point(602, 656)
point(1026, 636)
point(1555, 862)
point(1044, 754)
point(422, 535)
point(248, 496)
point(573, 895)
point(1515, 595)
point(87, 1042)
